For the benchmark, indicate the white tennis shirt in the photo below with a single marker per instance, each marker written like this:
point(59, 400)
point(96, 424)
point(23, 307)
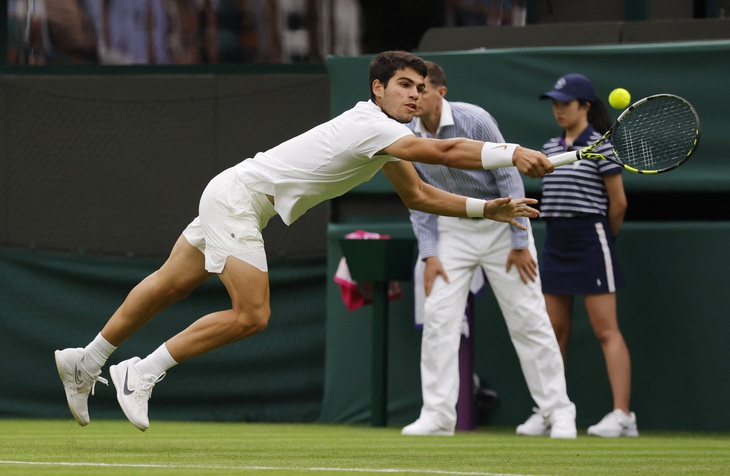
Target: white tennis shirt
point(324, 162)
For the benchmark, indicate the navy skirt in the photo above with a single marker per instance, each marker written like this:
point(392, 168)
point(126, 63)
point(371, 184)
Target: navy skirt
point(579, 257)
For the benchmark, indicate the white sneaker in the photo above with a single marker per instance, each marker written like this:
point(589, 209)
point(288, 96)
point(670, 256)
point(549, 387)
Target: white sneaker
point(615, 424)
point(536, 425)
point(133, 391)
point(563, 428)
point(424, 427)
point(77, 382)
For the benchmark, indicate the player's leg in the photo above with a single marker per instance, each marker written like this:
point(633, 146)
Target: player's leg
point(80, 368)
point(560, 310)
point(248, 288)
point(183, 271)
point(228, 230)
point(601, 310)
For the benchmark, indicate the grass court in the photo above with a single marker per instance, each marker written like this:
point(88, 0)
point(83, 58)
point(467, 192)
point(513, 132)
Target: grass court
point(115, 447)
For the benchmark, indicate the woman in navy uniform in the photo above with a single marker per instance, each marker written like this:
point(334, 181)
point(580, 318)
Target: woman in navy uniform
point(583, 205)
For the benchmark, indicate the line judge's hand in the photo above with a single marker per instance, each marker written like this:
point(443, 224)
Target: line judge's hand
point(523, 262)
point(433, 269)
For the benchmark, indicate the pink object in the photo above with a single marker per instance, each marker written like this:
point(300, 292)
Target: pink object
point(354, 294)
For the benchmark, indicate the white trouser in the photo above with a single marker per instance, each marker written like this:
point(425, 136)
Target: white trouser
point(463, 245)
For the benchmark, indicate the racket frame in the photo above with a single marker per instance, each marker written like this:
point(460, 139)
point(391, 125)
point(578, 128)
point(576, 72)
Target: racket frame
point(586, 153)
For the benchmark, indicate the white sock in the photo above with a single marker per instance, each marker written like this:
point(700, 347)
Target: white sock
point(96, 354)
point(156, 364)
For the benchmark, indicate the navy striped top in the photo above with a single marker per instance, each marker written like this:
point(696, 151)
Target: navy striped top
point(459, 119)
point(578, 188)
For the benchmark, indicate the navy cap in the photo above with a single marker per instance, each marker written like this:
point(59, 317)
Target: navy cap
point(571, 86)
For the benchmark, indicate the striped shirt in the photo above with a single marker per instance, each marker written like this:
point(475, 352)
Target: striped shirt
point(460, 119)
point(577, 189)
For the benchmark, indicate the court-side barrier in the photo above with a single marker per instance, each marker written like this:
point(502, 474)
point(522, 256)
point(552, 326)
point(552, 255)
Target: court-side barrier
point(52, 300)
point(673, 315)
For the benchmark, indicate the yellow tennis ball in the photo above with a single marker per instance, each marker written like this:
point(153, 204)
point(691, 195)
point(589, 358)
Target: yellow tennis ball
point(619, 98)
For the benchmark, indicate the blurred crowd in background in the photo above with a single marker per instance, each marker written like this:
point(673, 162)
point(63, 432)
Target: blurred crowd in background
point(232, 31)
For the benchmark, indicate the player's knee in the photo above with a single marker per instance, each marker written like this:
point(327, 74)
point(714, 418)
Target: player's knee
point(251, 321)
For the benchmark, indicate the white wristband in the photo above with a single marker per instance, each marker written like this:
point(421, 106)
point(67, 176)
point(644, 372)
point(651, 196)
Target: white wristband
point(475, 207)
point(496, 155)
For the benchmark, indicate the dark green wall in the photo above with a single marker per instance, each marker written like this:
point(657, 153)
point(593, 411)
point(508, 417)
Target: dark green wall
point(52, 300)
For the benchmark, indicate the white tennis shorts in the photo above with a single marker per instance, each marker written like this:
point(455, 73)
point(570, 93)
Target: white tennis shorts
point(229, 223)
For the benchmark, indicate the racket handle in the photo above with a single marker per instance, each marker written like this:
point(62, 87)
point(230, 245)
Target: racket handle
point(565, 158)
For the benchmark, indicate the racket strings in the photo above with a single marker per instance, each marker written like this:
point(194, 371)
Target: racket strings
point(658, 134)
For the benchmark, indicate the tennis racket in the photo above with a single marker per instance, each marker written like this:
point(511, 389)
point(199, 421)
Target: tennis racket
point(656, 134)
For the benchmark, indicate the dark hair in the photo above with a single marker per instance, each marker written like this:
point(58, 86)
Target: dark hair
point(436, 74)
point(598, 115)
point(385, 65)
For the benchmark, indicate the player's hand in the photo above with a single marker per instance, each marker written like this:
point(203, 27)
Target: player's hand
point(525, 264)
point(507, 209)
point(532, 163)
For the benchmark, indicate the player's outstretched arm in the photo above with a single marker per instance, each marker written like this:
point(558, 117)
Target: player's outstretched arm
point(417, 195)
point(470, 154)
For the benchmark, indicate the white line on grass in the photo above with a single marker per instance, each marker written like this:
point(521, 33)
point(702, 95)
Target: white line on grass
point(257, 468)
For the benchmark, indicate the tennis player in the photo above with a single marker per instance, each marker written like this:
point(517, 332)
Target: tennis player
point(225, 239)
